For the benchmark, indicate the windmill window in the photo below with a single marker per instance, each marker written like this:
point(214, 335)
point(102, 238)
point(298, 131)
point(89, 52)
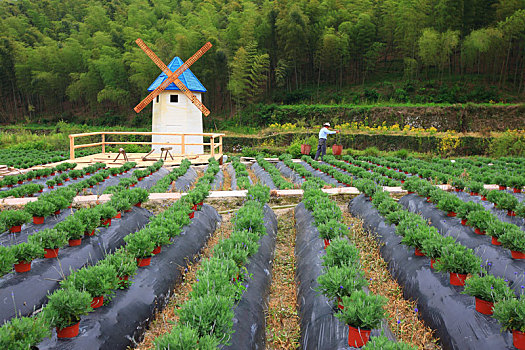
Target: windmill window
point(174, 98)
point(157, 99)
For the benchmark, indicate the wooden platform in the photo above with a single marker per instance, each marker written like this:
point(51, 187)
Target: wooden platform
point(109, 158)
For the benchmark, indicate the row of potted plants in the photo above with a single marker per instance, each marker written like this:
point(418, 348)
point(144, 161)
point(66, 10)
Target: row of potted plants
point(329, 170)
point(275, 174)
point(206, 319)
point(342, 279)
point(241, 174)
point(131, 181)
point(492, 294)
point(84, 290)
point(11, 180)
point(164, 184)
point(473, 214)
point(297, 167)
point(361, 170)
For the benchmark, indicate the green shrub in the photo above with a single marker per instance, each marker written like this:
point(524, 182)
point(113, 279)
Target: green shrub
point(10, 218)
point(513, 239)
point(27, 252)
point(122, 261)
point(511, 314)
point(481, 219)
point(89, 218)
point(331, 229)
point(41, 208)
point(458, 259)
point(184, 337)
point(362, 310)
point(383, 343)
point(340, 253)
point(215, 278)
point(238, 247)
point(416, 236)
point(7, 259)
point(468, 207)
point(72, 227)
point(65, 306)
point(337, 282)
point(488, 288)
point(433, 246)
point(48, 238)
point(106, 211)
point(23, 333)
point(210, 316)
point(259, 193)
point(139, 244)
point(97, 280)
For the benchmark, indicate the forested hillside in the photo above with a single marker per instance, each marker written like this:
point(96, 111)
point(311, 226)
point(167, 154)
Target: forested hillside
point(79, 56)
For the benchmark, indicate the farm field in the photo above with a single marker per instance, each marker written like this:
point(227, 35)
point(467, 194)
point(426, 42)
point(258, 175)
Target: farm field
point(409, 253)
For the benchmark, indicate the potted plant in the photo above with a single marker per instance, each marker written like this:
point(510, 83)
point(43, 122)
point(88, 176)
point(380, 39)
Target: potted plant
point(120, 203)
point(25, 253)
point(14, 219)
point(383, 343)
point(106, 213)
point(459, 261)
point(159, 238)
point(64, 308)
point(459, 184)
point(58, 200)
point(124, 264)
point(90, 219)
point(449, 204)
point(517, 183)
point(73, 229)
point(466, 208)
point(480, 220)
point(337, 148)
point(415, 236)
point(433, 246)
point(137, 196)
point(509, 313)
point(140, 245)
point(487, 290)
point(362, 313)
point(75, 174)
point(514, 240)
point(39, 209)
point(340, 253)
point(339, 281)
point(331, 229)
point(97, 280)
point(23, 332)
point(508, 202)
point(7, 259)
point(50, 239)
point(475, 187)
point(497, 228)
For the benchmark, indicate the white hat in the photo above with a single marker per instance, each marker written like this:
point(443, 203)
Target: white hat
point(326, 124)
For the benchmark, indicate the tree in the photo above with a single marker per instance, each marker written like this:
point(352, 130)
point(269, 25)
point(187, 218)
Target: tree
point(435, 48)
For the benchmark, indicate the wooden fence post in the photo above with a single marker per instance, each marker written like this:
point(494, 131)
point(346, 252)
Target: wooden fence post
point(182, 147)
point(71, 147)
point(212, 141)
point(103, 143)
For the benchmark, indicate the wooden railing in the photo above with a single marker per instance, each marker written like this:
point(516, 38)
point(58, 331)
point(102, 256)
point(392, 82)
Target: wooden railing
point(213, 144)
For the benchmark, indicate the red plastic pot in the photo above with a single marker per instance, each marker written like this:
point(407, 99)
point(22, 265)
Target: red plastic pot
point(305, 149)
point(51, 253)
point(50, 187)
point(474, 193)
point(143, 261)
point(517, 255)
point(20, 182)
point(418, 252)
point(518, 339)
point(42, 190)
point(337, 150)
point(495, 241)
point(9, 186)
point(23, 266)
point(339, 305)
point(358, 337)
point(15, 229)
point(194, 207)
point(428, 200)
point(501, 188)
point(458, 190)
point(75, 242)
point(139, 204)
point(432, 262)
point(201, 203)
point(464, 222)
point(68, 332)
point(511, 213)
point(57, 212)
point(118, 216)
point(140, 178)
point(157, 250)
point(191, 215)
point(38, 220)
point(326, 242)
point(479, 232)
point(123, 280)
point(89, 233)
point(75, 178)
point(484, 307)
point(516, 190)
point(59, 184)
point(127, 210)
point(97, 302)
point(410, 192)
point(457, 279)
point(483, 198)
point(106, 222)
point(66, 179)
point(451, 213)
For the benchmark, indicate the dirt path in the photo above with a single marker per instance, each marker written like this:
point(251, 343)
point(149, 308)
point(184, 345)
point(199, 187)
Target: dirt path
point(282, 321)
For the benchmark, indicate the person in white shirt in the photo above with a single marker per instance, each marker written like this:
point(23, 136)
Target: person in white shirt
point(323, 134)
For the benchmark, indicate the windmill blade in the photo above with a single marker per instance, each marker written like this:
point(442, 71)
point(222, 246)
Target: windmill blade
point(171, 78)
point(177, 82)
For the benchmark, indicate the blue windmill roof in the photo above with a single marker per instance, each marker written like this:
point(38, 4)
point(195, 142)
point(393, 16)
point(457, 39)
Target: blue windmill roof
point(187, 78)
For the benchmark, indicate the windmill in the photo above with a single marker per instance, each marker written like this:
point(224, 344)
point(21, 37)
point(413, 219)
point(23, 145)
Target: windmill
point(176, 108)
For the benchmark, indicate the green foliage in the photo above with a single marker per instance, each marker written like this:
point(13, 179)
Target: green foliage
point(481, 219)
point(513, 239)
point(340, 253)
point(27, 252)
point(106, 211)
point(331, 229)
point(488, 288)
point(122, 261)
point(97, 280)
point(414, 237)
point(467, 207)
point(139, 244)
point(383, 343)
point(433, 246)
point(7, 259)
point(48, 238)
point(65, 306)
point(362, 310)
point(23, 333)
point(9, 218)
point(209, 316)
point(184, 337)
point(40, 208)
point(458, 259)
point(238, 247)
point(89, 218)
point(72, 227)
point(511, 314)
point(337, 282)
